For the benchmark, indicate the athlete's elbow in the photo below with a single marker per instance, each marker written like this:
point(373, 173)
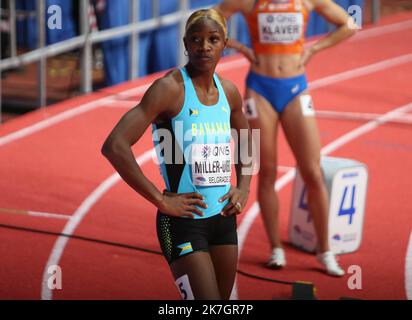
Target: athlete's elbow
point(352, 31)
point(351, 27)
point(110, 148)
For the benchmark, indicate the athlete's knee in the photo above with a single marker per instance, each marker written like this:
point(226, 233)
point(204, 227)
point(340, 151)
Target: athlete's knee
point(312, 177)
point(267, 176)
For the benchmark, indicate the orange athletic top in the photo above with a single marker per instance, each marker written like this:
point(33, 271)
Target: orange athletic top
point(277, 26)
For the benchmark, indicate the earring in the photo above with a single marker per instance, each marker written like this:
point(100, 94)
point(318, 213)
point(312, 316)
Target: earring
point(186, 53)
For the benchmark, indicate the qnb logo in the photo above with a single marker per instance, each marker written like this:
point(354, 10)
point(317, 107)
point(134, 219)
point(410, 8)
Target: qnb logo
point(54, 20)
point(54, 282)
point(206, 152)
point(355, 19)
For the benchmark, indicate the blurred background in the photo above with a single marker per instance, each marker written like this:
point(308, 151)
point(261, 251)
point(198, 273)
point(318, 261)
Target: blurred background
point(50, 54)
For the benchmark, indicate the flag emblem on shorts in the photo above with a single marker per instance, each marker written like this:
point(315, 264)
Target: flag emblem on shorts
point(186, 248)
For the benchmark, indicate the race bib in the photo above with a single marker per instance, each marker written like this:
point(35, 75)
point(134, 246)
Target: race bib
point(283, 28)
point(211, 164)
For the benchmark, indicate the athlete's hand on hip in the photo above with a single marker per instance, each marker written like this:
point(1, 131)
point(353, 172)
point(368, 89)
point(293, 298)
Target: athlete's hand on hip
point(306, 56)
point(249, 54)
point(182, 204)
point(237, 201)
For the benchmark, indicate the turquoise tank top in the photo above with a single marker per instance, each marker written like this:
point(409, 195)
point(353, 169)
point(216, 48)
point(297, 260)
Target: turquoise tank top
point(193, 148)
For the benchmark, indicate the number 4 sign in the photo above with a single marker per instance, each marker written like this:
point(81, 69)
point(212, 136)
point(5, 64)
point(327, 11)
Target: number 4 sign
point(349, 210)
point(346, 182)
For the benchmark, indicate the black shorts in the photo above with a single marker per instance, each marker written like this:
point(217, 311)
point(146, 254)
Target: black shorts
point(181, 236)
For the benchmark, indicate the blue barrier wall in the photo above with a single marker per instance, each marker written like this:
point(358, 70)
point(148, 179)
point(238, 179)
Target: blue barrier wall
point(27, 29)
point(68, 29)
point(164, 45)
point(116, 51)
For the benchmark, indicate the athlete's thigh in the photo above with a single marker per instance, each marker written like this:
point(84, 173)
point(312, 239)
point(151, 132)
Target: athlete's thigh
point(262, 116)
point(224, 258)
point(300, 128)
point(195, 276)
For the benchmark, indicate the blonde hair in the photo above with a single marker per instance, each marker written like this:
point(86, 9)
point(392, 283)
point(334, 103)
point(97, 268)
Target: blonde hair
point(211, 14)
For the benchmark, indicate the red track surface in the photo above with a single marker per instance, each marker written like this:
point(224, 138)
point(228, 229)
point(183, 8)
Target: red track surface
point(55, 169)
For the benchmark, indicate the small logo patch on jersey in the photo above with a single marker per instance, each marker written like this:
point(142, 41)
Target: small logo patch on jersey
point(224, 109)
point(186, 248)
point(193, 112)
point(206, 151)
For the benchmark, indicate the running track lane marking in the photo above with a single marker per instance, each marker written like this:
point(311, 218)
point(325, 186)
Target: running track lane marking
point(60, 243)
point(36, 213)
point(408, 270)
point(253, 211)
point(59, 118)
point(375, 31)
point(359, 116)
point(346, 75)
point(319, 83)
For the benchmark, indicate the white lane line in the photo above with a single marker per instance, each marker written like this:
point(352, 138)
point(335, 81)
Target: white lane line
point(372, 32)
point(379, 31)
point(70, 227)
point(346, 138)
point(50, 121)
point(250, 215)
point(408, 270)
point(253, 211)
point(374, 67)
point(239, 62)
point(329, 114)
point(319, 83)
point(36, 213)
point(284, 168)
point(122, 104)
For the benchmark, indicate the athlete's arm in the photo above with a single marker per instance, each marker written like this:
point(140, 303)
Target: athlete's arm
point(336, 15)
point(117, 148)
point(228, 8)
point(243, 150)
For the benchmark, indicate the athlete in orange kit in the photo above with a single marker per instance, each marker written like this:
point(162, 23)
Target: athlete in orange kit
point(277, 93)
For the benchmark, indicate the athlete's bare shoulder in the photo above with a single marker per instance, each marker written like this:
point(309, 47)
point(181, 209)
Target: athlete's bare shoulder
point(165, 95)
point(171, 81)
